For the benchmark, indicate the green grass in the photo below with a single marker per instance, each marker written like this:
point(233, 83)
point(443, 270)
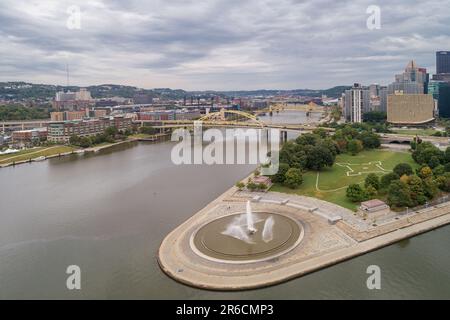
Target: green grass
point(333, 181)
point(34, 153)
point(413, 132)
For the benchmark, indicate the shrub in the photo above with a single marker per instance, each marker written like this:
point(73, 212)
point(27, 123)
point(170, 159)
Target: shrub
point(354, 147)
point(355, 193)
point(280, 175)
point(252, 186)
point(240, 185)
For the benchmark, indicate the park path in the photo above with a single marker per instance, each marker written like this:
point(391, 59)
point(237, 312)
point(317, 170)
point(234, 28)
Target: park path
point(349, 173)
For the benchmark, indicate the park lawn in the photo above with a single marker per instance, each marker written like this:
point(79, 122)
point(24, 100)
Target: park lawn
point(34, 153)
point(413, 132)
point(141, 136)
point(333, 182)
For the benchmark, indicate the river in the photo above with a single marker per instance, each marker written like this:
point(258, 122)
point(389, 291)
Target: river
point(108, 212)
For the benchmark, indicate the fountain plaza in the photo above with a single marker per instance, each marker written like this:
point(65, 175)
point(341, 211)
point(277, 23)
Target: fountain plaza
point(245, 240)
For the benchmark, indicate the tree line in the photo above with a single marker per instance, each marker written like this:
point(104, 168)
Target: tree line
point(318, 150)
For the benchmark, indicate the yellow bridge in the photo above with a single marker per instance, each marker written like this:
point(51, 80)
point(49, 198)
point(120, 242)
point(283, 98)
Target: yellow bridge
point(218, 119)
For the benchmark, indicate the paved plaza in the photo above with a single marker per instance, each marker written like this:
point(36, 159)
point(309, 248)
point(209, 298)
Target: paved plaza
point(331, 234)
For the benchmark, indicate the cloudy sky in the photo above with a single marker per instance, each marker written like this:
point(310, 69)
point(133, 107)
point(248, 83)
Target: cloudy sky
point(218, 44)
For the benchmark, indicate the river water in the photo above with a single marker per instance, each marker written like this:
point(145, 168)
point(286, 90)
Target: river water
point(108, 212)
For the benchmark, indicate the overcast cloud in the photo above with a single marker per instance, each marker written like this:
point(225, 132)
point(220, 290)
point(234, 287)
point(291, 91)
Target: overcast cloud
point(219, 45)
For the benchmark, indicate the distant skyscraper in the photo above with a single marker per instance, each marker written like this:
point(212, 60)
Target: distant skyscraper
point(356, 102)
point(442, 62)
point(413, 80)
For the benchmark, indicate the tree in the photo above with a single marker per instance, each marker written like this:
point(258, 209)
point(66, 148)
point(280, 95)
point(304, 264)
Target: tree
point(85, 142)
point(402, 169)
point(354, 146)
point(398, 194)
point(425, 173)
point(280, 175)
point(294, 155)
point(111, 131)
point(387, 179)
point(307, 139)
point(425, 151)
point(293, 178)
point(416, 190)
point(355, 193)
point(373, 181)
point(447, 155)
point(319, 157)
point(74, 140)
point(322, 133)
point(439, 170)
point(430, 187)
point(370, 140)
point(443, 182)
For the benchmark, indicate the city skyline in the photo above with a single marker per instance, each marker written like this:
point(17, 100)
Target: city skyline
point(218, 46)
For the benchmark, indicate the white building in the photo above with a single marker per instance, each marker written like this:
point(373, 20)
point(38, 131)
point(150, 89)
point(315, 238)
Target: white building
point(356, 102)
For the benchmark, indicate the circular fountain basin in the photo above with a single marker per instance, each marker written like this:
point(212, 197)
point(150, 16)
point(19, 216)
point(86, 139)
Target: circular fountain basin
point(214, 241)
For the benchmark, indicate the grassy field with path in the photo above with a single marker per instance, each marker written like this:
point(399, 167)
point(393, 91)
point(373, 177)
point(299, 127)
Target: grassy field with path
point(331, 183)
point(34, 153)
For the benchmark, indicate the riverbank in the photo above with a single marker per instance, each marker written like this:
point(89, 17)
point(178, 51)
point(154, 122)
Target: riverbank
point(330, 237)
point(36, 154)
point(61, 151)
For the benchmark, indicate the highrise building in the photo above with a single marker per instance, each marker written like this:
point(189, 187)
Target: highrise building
point(356, 103)
point(440, 85)
point(442, 62)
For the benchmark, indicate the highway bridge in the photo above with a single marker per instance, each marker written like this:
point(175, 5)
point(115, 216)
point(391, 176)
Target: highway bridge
point(406, 139)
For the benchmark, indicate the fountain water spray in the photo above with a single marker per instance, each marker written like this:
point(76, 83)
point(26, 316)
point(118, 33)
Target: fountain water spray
point(267, 234)
point(250, 223)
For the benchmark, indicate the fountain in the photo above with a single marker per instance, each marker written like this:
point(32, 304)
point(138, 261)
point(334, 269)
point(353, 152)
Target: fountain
point(247, 237)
